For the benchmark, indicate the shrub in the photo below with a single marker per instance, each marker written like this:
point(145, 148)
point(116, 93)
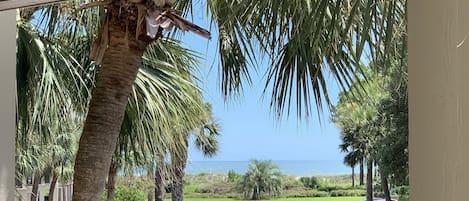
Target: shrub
point(333, 187)
point(378, 194)
point(349, 193)
point(123, 193)
point(309, 182)
point(290, 182)
point(203, 189)
point(233, 176)
point(402, 190)
point(143, 183)
point(330, 188)
point(306, 193)
point(217, 188)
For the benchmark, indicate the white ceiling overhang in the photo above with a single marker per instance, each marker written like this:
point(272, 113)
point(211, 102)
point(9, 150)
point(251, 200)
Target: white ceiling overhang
point(14, 4)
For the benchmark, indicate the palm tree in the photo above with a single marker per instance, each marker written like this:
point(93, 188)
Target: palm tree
point(355, 114)
point(302, 42)
point(172, 64)
point(142, 136)
point(206, 140)
point(166, 76)
point(30, 161)
point(62, 155)
point(351, 160)
point(261, 177)
point(50, 95)
point(350, 136)
point(160, 177)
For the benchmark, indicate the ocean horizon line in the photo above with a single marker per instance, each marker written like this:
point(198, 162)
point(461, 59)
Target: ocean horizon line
point(280, 160)
point(292, 167)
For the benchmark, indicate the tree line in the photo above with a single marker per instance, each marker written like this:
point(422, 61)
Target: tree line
point(373, 118)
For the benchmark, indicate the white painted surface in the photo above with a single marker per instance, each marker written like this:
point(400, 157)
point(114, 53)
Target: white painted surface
point(7, 104)
point(439, 100)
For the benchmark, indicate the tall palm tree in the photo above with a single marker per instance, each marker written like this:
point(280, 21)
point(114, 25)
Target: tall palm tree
point(166, 70)
point(354, 114)
point(206, 140)
point(50, 95)
point(303, 40)
point(161, 90)
point(351, 160)
point(350, 136)
point(144, 135)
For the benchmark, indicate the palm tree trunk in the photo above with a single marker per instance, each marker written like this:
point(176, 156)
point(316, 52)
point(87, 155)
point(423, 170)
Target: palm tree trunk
point(255, 195)
point(111, 181)
point(150, 176)
point(361, 173)
point(384, 185)
point(353, 176)
point(178, 184)
point(369, 180)
point(151, 195)
point(35, 188)
point(106, 111)
point(179, 163)
point(53, 183)
point(160, 173)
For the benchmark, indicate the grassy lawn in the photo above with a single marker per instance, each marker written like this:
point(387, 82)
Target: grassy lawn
point(284, 199)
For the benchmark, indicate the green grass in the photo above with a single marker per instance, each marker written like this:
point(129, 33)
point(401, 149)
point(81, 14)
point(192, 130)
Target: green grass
point(283, 199)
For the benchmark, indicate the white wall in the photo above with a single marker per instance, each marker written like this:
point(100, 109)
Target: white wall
point(439, 100)
point(7, 104)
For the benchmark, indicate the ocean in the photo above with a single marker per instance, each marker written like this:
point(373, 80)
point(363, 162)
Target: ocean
point(299, 168)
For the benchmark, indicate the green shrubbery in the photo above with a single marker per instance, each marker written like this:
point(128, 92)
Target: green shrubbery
point(219, 187)
point(291, 183)
point(349, 193)
point(207, 185)
point(226, 186)
point(210, 186)
point(233, 176)
point(309, 182)
point(124, 193)
point(304, 193)
point(402, 190)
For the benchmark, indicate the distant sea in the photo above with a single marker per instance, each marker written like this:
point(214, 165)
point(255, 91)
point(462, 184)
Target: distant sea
point(298, 168)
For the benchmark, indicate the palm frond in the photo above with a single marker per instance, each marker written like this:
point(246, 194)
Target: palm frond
point(49, 83)
point(306, 40)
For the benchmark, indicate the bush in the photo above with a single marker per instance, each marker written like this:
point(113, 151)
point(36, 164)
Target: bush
point(306, 193)
point(378, 194)
point(217, 188)
point(290, 182)
point(123, 193)
point(333, 187)
point(309, 182)
point(348, 193)
point(402, 190)
point(233, 176)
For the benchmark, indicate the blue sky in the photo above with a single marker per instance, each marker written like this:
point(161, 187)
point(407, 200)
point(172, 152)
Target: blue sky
point(249, 130)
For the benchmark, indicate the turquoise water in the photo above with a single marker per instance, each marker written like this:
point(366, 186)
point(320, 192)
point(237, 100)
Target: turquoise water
point(300, 168)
